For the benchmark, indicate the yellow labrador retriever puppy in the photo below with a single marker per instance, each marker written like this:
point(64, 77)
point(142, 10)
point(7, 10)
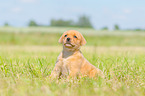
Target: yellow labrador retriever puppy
point(71, 62)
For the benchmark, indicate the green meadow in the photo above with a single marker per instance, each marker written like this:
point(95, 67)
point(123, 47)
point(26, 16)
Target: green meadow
point(28, 55)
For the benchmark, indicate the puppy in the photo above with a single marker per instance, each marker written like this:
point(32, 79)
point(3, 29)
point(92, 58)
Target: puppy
point(71, 63)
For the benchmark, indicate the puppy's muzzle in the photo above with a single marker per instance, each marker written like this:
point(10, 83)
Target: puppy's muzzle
point(68, 39)
point(68, 43)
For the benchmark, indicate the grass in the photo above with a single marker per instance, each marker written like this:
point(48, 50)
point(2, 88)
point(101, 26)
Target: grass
point(50, 38)
point(24, 70)
point(28, 55)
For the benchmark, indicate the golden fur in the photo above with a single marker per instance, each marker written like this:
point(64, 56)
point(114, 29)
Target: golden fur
point(71, 62)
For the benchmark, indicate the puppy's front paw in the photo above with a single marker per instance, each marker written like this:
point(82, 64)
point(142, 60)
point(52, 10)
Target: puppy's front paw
point(95, 73)
point(53, 76)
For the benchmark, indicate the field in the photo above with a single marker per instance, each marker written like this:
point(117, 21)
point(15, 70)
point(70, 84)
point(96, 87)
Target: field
point(28, 57)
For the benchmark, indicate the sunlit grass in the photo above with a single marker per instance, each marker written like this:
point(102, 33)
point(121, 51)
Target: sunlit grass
point(27, 58)
point(24, 70)
point(38, 38)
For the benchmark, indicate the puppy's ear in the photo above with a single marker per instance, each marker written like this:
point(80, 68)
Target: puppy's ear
point(61, 39)
point(83, 41)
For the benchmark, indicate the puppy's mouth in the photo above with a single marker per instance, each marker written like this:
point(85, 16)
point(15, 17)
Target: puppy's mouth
point(68, 45)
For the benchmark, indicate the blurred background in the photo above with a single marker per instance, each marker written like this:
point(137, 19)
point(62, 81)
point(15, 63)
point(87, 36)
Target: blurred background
point(103, 23)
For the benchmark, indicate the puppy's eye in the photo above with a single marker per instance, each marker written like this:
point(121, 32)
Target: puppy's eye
point(75, 36)
point(65, 36)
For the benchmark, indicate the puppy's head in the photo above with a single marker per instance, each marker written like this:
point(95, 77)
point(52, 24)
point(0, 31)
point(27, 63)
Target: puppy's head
point(72, 39)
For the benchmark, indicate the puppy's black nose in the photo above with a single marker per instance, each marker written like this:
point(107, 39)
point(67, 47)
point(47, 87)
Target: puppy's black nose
point(68, 39)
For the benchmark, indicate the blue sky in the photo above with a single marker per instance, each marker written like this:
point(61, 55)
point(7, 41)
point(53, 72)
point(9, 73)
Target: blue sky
point(125, 13)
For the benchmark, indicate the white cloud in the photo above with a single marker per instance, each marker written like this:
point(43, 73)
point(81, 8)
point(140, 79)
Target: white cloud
point(119, 16)
point(16, 9)
point(28, 1)
point(106, 11)
point(127, 11)
point(122, 17)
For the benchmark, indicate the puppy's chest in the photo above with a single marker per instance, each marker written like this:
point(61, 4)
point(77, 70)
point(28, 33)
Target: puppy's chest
point(66, 62)
point(71, 61)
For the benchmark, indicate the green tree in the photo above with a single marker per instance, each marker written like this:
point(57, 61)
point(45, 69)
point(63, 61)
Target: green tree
point(32, 23)
point(84, 21)
point(116, 27)
point(105, 28)
point(61, 22)
point(138, 29)
point(6, 24)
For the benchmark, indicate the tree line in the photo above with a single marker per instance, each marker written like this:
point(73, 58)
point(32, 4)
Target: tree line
point(83, 21)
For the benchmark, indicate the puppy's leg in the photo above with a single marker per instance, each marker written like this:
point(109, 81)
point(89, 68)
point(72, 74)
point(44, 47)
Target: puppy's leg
point(96, 72)
point(73, 73)
point(56, 73)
